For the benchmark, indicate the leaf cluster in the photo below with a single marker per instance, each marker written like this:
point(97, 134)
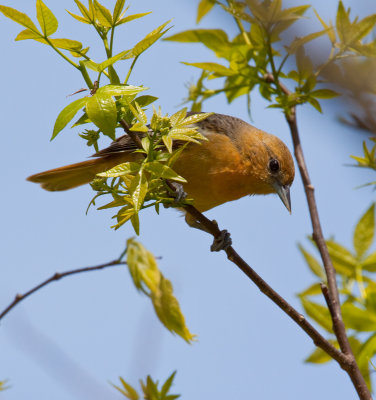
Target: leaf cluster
point(150, 390)
point(369, 158)
point(356, 270)
point(255, 57)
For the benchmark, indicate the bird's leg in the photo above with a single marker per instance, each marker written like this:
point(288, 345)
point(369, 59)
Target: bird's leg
point(221, 242)
point(179, 194)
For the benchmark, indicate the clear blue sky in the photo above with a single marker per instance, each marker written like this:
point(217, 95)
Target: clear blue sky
point(70, 339)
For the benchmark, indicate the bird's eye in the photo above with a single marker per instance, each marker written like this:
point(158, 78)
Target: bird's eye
point(274, 165)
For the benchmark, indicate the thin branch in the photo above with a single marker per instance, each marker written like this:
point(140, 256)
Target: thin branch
point(56, 277)
point(331, 292)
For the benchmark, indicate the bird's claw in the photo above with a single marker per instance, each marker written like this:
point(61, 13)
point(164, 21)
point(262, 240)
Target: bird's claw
point(222, 241)
point(180, 194)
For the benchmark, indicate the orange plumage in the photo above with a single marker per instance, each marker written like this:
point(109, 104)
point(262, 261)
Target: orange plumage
point(237, 160)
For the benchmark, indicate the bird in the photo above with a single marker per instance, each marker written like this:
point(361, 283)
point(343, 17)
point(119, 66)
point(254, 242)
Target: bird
point(237, 160)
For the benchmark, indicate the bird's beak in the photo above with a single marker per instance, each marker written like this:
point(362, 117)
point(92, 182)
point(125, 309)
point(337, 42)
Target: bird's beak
point(283, 192)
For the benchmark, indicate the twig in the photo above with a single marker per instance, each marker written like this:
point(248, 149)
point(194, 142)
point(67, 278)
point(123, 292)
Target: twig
point(331, 291)
point(56, 277)
point(234, 257)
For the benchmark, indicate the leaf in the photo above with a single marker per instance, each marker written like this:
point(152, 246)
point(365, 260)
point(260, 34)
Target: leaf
point(344, 262)
point(313, 264)
point(46, 18)
point(218, 69)
point(101, 109)
point(118, 10)
point(312, 290)
point(67, 114)
point(297, 42)
point(145, 100)
point(319, 356)
point(79, 18)
point(103, 14)
point(343, 23)
point(163, 171)
point(67, 44)
point(138, 190)
point(214, 39)
point(19, 17)
point(149, 39)
point(203, 8)
point(329, 29)
point(127, 390)
point(142, 266)
point(167, 385)
point(194, 118)
point(319, 313)
point(84, 11)
point(357, 318)
point(131, 18)
point(121, 169)
point(168, 310)
point(105, 64)
point(29, 34)
point(369, 264)
point(324, 94)
point(364, 355)
point(364, 232)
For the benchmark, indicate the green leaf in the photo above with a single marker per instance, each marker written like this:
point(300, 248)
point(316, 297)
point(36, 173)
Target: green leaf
point(19, 17)
point(28, 34)
point(84, 11)
point(121, 169)
point(218, 69)
point(46, 18)
point(343, 23)
point(103, 14)
point(138, 190)
point(324, 94)
point(357, 318)
point(363, 357)
point(297, 42)
point(105, 64)
point(344, 262)
point(194, 118)
point(319, 313)
point(167, 385)
point(67, 44)
point(214, 39)
point(369, 264)
point(168, 310)
point(132, 17)
point(364, 232)
point(163, 171)
point(319, 356)
point(313, 264)
point(329, 29)
point(127, 390)
point(149, 39)
point(203, 8)
point(145, 100)
point(142, 266)
point(118, 9)
point(79, 18)
point(67, 114)
point(312, 290)
point(101, 109)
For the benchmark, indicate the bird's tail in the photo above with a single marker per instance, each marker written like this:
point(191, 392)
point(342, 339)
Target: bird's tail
point(71, 176)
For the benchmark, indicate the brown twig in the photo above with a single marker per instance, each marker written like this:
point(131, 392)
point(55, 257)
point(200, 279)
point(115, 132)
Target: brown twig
point(234, 257)
point(331, 291)
point(58, 275)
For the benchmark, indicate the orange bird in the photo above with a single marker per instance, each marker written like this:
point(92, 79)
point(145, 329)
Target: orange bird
point(237, 160)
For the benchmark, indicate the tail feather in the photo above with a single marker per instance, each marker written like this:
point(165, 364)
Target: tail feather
point(71, 176)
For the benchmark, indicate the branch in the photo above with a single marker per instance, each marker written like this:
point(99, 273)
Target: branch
point(212, 228)
point(56, 277)
point(331, 291)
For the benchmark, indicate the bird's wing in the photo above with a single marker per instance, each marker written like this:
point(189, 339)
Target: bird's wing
point(217, 123)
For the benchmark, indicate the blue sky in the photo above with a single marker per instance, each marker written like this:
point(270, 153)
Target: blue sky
point(71, 338)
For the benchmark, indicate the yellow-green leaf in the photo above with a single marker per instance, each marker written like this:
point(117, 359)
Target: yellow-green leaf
point(344, 262)
point(138, 190)
point(149, 39)
point(203, 8)
point(300, 41)
point(357, 318)
point(319, 356)
point(163, 171)
point(29, 34)
point(46, 18)
point(67, 44)
point(131, 17)
point(369, 264)
point(101, 109)
point(313, 264)
point(67, 114)
point(19, 17)
point(324, 94)
point(218, 69)
point(103, 14)
point(343, 23)
point(363, 358)
point(127, 390)
point(168, 310)
point(121, 169)
point(118, 9)
point(84, 11)
point(312, 290)
point(319, 313)
point(364, 232)
point(79, 18)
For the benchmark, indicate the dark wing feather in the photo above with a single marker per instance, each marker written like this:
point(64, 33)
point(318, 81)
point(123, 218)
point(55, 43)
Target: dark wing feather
point(218, 123)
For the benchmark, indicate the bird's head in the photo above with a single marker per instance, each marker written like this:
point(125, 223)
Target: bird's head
point(271, 164)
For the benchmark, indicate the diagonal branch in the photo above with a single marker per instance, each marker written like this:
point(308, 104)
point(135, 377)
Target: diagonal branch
point(55, 277)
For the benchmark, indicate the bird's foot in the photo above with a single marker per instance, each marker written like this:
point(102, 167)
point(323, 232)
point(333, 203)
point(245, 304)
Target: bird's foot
point(222, 241)
point(179, 194)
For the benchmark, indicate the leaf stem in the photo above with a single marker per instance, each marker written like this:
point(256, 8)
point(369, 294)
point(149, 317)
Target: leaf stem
point(130, 70)
point(61, 53)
